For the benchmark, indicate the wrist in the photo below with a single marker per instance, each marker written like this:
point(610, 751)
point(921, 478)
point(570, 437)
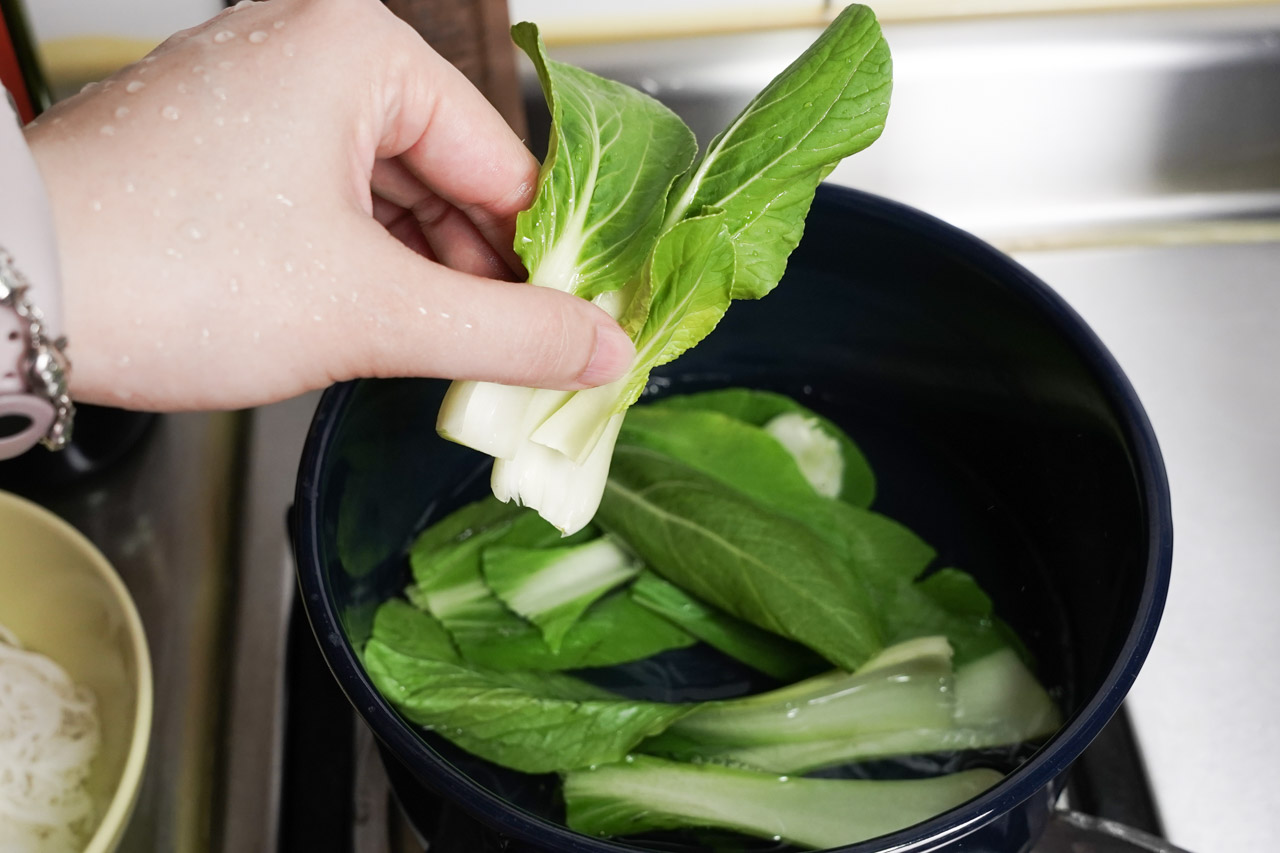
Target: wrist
point(34, 403)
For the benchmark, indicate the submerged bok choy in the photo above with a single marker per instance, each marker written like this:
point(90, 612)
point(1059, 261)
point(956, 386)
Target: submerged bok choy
point(624, 217)
point(728, 624)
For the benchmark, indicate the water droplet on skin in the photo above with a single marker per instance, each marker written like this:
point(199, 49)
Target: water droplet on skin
point(217, 196)
point(198, 140)
point(466, 325)
point(279, 25)
point(444, 315)
point(245, 118)
point(171, 113)
point(290, 49)
point(134, 86)
point(220, 93)
point(258, 36)
point(234, 285)
point(226, 65)
point(96, 205)
point(193, 230)
point(219, 121)
point(173, 193)
point(88, 87)
point(148, 59)
point(223, 36)
point(183, 89)
point(129, 187)
point(317, 318)
point(283, 200)
point(422, 311)
point(107, 130)
point(288, 266)
point(121, 112)
point(173, 253)
point(257, 336)
point(204, 337)
point(197, 69)
point(124, 361)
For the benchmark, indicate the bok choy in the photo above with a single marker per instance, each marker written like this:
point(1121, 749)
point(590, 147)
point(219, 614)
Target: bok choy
point(624, 217)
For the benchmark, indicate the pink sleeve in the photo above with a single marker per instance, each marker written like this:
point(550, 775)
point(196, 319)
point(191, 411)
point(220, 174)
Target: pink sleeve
point(26, 232)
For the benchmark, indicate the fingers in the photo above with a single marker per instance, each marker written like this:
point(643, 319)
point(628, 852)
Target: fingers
point(456, 146)
point(453, 238)
point(431, 320)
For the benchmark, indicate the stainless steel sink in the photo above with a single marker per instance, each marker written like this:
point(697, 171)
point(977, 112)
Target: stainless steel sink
point(1133, 161)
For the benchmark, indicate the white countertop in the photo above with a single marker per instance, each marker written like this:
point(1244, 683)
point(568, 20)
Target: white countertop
point(1197, 330)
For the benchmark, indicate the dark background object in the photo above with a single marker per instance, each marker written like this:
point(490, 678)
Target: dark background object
point(1001, 429)
point(100, 438)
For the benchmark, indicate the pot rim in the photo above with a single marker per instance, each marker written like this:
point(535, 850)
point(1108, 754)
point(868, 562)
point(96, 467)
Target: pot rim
point(1033, 776)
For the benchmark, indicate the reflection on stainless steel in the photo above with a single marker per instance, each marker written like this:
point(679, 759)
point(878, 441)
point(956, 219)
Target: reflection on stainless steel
point(164, 517)
point(1072, 832)
point(251, 793)
point(1057, 128)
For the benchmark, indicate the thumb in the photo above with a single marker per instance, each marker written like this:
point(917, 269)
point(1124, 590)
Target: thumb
point(432, 320)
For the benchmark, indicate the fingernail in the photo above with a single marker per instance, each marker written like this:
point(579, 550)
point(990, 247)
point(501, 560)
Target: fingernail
point(613, 356)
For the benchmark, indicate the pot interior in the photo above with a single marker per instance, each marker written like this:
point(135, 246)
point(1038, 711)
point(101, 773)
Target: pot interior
point(998, 428)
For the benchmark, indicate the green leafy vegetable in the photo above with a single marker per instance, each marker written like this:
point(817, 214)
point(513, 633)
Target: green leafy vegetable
point(877, 551)
point(906, 701)
point(769, 653)
point(532, 722)
point(758, 408)
point(552, 587)
point(612, 157)
point(736, 554)
point(644, 793)
point(950, 602)
point(764, 168)
point(667, 262)
point(447, 562)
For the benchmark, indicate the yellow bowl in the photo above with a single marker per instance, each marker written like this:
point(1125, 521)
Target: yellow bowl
point(64, 600)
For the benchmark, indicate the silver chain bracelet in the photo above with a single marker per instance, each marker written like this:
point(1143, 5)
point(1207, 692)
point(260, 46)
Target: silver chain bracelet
point(45, 363)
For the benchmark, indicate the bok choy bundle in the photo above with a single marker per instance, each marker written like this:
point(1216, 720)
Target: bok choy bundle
point(625, 217)
point(735, 535)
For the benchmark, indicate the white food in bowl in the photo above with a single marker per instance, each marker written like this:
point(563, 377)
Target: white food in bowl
point(49, 735)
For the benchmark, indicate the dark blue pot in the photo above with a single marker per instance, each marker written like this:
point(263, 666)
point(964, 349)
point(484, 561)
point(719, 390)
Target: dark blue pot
point(1001, 430)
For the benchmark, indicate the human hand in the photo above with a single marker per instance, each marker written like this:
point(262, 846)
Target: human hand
point(291, 194)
